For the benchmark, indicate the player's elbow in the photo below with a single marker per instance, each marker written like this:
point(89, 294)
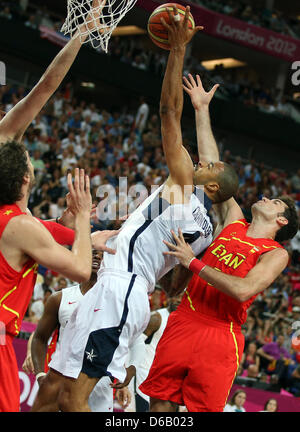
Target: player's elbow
point(82, 275)
point(247, 291)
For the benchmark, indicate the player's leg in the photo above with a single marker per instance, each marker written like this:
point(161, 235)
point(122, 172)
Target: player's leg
point(47, 397)
point(213, 366)
point(75, 393)
point(9, 378)
point(158, 405)
point(170, 366)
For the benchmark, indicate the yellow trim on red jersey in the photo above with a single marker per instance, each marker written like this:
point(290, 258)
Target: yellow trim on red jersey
point(190, 300)
point(240, 222)
point(242, 241)
point(29, 270)
point(237, 358)
point(7, 294)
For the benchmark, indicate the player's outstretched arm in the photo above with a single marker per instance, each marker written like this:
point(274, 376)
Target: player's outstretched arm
point(208, 151)
point(17, 120)
point(46, 326)
point(171, 102)
point(269, 267)
point(207, 147)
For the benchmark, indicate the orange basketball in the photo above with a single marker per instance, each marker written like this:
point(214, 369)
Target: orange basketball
point(157, 32)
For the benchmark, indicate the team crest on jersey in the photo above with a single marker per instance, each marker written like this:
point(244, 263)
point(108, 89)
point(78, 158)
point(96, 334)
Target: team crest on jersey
point(8, 212)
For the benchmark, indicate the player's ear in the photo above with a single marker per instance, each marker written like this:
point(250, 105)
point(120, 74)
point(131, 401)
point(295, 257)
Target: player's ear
point(212, 187)
point(281, 220)
point(26, 178)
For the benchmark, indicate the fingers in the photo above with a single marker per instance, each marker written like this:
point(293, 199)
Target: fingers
point(109, 250)
point(170, 245)
point(165, 24)
point(70, 186)
point(186, 16)
point(190, 83)
point(214, 89)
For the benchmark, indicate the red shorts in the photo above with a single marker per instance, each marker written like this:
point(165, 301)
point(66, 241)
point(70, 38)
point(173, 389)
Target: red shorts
point(9, 378)
point(196, 362)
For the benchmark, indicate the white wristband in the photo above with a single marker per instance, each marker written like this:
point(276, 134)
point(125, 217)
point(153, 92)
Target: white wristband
point(39, 375)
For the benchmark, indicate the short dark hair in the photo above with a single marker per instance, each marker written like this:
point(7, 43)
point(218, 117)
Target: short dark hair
point(288, 231)
point(228, 182)
point(13, 167)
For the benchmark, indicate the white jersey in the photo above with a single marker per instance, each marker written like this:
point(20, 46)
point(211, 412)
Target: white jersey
point(70, 299)
point(101, 398)
point(139, 246)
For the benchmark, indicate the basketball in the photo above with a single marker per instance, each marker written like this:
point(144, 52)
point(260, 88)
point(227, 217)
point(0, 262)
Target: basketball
point(157, 32)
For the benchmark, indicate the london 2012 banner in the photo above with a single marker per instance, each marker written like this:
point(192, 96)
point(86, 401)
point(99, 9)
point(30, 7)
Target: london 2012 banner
point(239, 32)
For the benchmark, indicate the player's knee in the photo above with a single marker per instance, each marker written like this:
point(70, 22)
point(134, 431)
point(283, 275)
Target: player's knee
point(70, 401)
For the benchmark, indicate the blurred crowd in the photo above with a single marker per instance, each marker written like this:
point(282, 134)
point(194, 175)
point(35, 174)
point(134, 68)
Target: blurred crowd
point(262, 16)
point(236, 84)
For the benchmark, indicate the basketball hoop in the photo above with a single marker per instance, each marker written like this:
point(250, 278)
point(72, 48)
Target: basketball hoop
point(95, 20)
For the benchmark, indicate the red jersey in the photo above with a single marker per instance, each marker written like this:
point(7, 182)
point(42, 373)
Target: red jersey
point(234, 253)
point(15, 287)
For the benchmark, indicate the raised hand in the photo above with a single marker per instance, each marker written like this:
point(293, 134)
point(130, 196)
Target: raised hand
point(199, 97)
point(179, 33)
point(80, 199)
point(181, 250)
point(67, 219)
point(99, 239)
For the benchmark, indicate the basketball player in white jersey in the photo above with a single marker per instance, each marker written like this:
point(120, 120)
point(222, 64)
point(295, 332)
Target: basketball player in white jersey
point(116, 310)
point(57, 313)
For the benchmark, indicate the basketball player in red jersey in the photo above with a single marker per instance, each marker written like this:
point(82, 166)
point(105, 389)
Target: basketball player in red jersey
point(24, 243)
point(199, 353)
point(14, 124)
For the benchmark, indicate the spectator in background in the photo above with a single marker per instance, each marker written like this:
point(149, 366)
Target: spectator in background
point(275, 359)
point(271, 406)
point(36, 308)
point(250, 356)
point(142, 115)
point(30, 23)
point(236, 402)
point(5, 13)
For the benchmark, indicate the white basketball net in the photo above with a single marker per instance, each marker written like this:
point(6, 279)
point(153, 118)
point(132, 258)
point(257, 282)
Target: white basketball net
point(95, 20)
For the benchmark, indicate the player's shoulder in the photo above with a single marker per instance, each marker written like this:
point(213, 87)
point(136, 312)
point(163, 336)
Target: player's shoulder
point(24, 227)
point(53, 302)
point(277, 251)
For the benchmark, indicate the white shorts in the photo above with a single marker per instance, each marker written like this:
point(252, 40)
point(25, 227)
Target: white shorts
point(110, 316)
point(102, 397)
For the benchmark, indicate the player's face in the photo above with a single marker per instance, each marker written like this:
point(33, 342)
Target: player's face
point(207, 172)
point(96, 261)
point(31, 172)
point(269, 208)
